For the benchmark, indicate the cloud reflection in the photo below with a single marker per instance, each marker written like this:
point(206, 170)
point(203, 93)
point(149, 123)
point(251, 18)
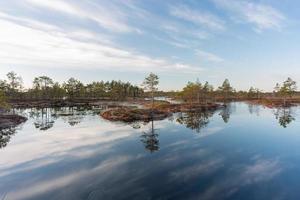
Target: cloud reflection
point(98, 159)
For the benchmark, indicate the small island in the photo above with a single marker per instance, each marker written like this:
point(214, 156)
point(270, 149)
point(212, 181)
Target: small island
point(159, 112)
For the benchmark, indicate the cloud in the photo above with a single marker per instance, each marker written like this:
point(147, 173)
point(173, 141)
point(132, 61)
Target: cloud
point(227, 186)
point(33, 190)
point(107, 16)
point(188, 173)
point(28, 22)
point(208, 56)
point(172, 29)
point(182, 37)
point(56, 5)
point(260, 15)
point(262, 170)
point(34, 45)
point(204, 19)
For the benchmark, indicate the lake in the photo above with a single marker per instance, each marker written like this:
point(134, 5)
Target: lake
point(240, 152)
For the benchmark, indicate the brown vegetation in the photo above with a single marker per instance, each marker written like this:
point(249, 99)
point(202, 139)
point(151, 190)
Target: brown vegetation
point(159, 111)
point(276, 102)
point(127, 114)
point(7, 121)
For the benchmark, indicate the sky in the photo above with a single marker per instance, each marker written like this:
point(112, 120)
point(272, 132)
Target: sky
point(252, 43)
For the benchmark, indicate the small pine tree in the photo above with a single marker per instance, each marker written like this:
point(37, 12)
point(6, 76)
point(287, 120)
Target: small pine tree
point(150, 84)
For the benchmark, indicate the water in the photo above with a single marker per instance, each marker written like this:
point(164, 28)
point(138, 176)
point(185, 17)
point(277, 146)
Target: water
point(241, 152)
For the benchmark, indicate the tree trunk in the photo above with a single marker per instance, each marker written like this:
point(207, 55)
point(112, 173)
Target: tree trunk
point(152, 104)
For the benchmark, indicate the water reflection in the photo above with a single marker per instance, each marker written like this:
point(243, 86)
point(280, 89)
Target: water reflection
point(225, 112)
point(284, 116)
point(253, 109)
point(195, 120)
point(150, 139)
point(244, 161)
point(45, 118)
point(5, 135)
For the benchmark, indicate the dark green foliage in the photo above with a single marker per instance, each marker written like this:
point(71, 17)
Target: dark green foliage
point(3, 102)
point(45, 88)
point(150, 84)
point(197, 92)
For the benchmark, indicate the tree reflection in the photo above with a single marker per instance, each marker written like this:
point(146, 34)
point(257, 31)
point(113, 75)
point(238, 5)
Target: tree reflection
point(74, 120)
point(5, 135)
point(73, 116)
point(195, 120)
point(226, 112)
point(43, 119)
point(284, 116)
point(253, 109)
point(150, 139)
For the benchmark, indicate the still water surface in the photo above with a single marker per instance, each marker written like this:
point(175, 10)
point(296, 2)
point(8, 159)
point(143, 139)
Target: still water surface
point(241, 152)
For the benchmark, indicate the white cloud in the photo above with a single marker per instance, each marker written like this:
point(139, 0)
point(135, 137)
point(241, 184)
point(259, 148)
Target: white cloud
point(183, 37)
point(208, 56)
point(58, 5)
point(184, 31)
point(28, 22)
point(45, 186)
point(199, 18)
point(108, 17)
point(262, 170)
point(260, 15)
point(244, 175)
point(188, 173)
point(32, 46)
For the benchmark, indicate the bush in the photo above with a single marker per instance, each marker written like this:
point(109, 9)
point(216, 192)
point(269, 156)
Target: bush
point(3, 102)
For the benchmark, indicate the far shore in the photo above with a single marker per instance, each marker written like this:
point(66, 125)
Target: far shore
point(73, 102)
point(275, 102)
point(140, 102)
point(130, 110)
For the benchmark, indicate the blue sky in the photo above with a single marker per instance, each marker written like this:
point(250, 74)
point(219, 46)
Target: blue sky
point(253, 43)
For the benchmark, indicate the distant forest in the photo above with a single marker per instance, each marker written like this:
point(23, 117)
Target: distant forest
point(45, 88)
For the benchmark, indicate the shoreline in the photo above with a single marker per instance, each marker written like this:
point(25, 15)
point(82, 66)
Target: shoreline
point(131, 110)
point(275, 102)
point(72, 103)
point(268, 102)
point(11, 120)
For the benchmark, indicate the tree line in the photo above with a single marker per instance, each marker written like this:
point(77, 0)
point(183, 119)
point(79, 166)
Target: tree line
point(205, 92)
point(197, 92)
point(45, 88)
